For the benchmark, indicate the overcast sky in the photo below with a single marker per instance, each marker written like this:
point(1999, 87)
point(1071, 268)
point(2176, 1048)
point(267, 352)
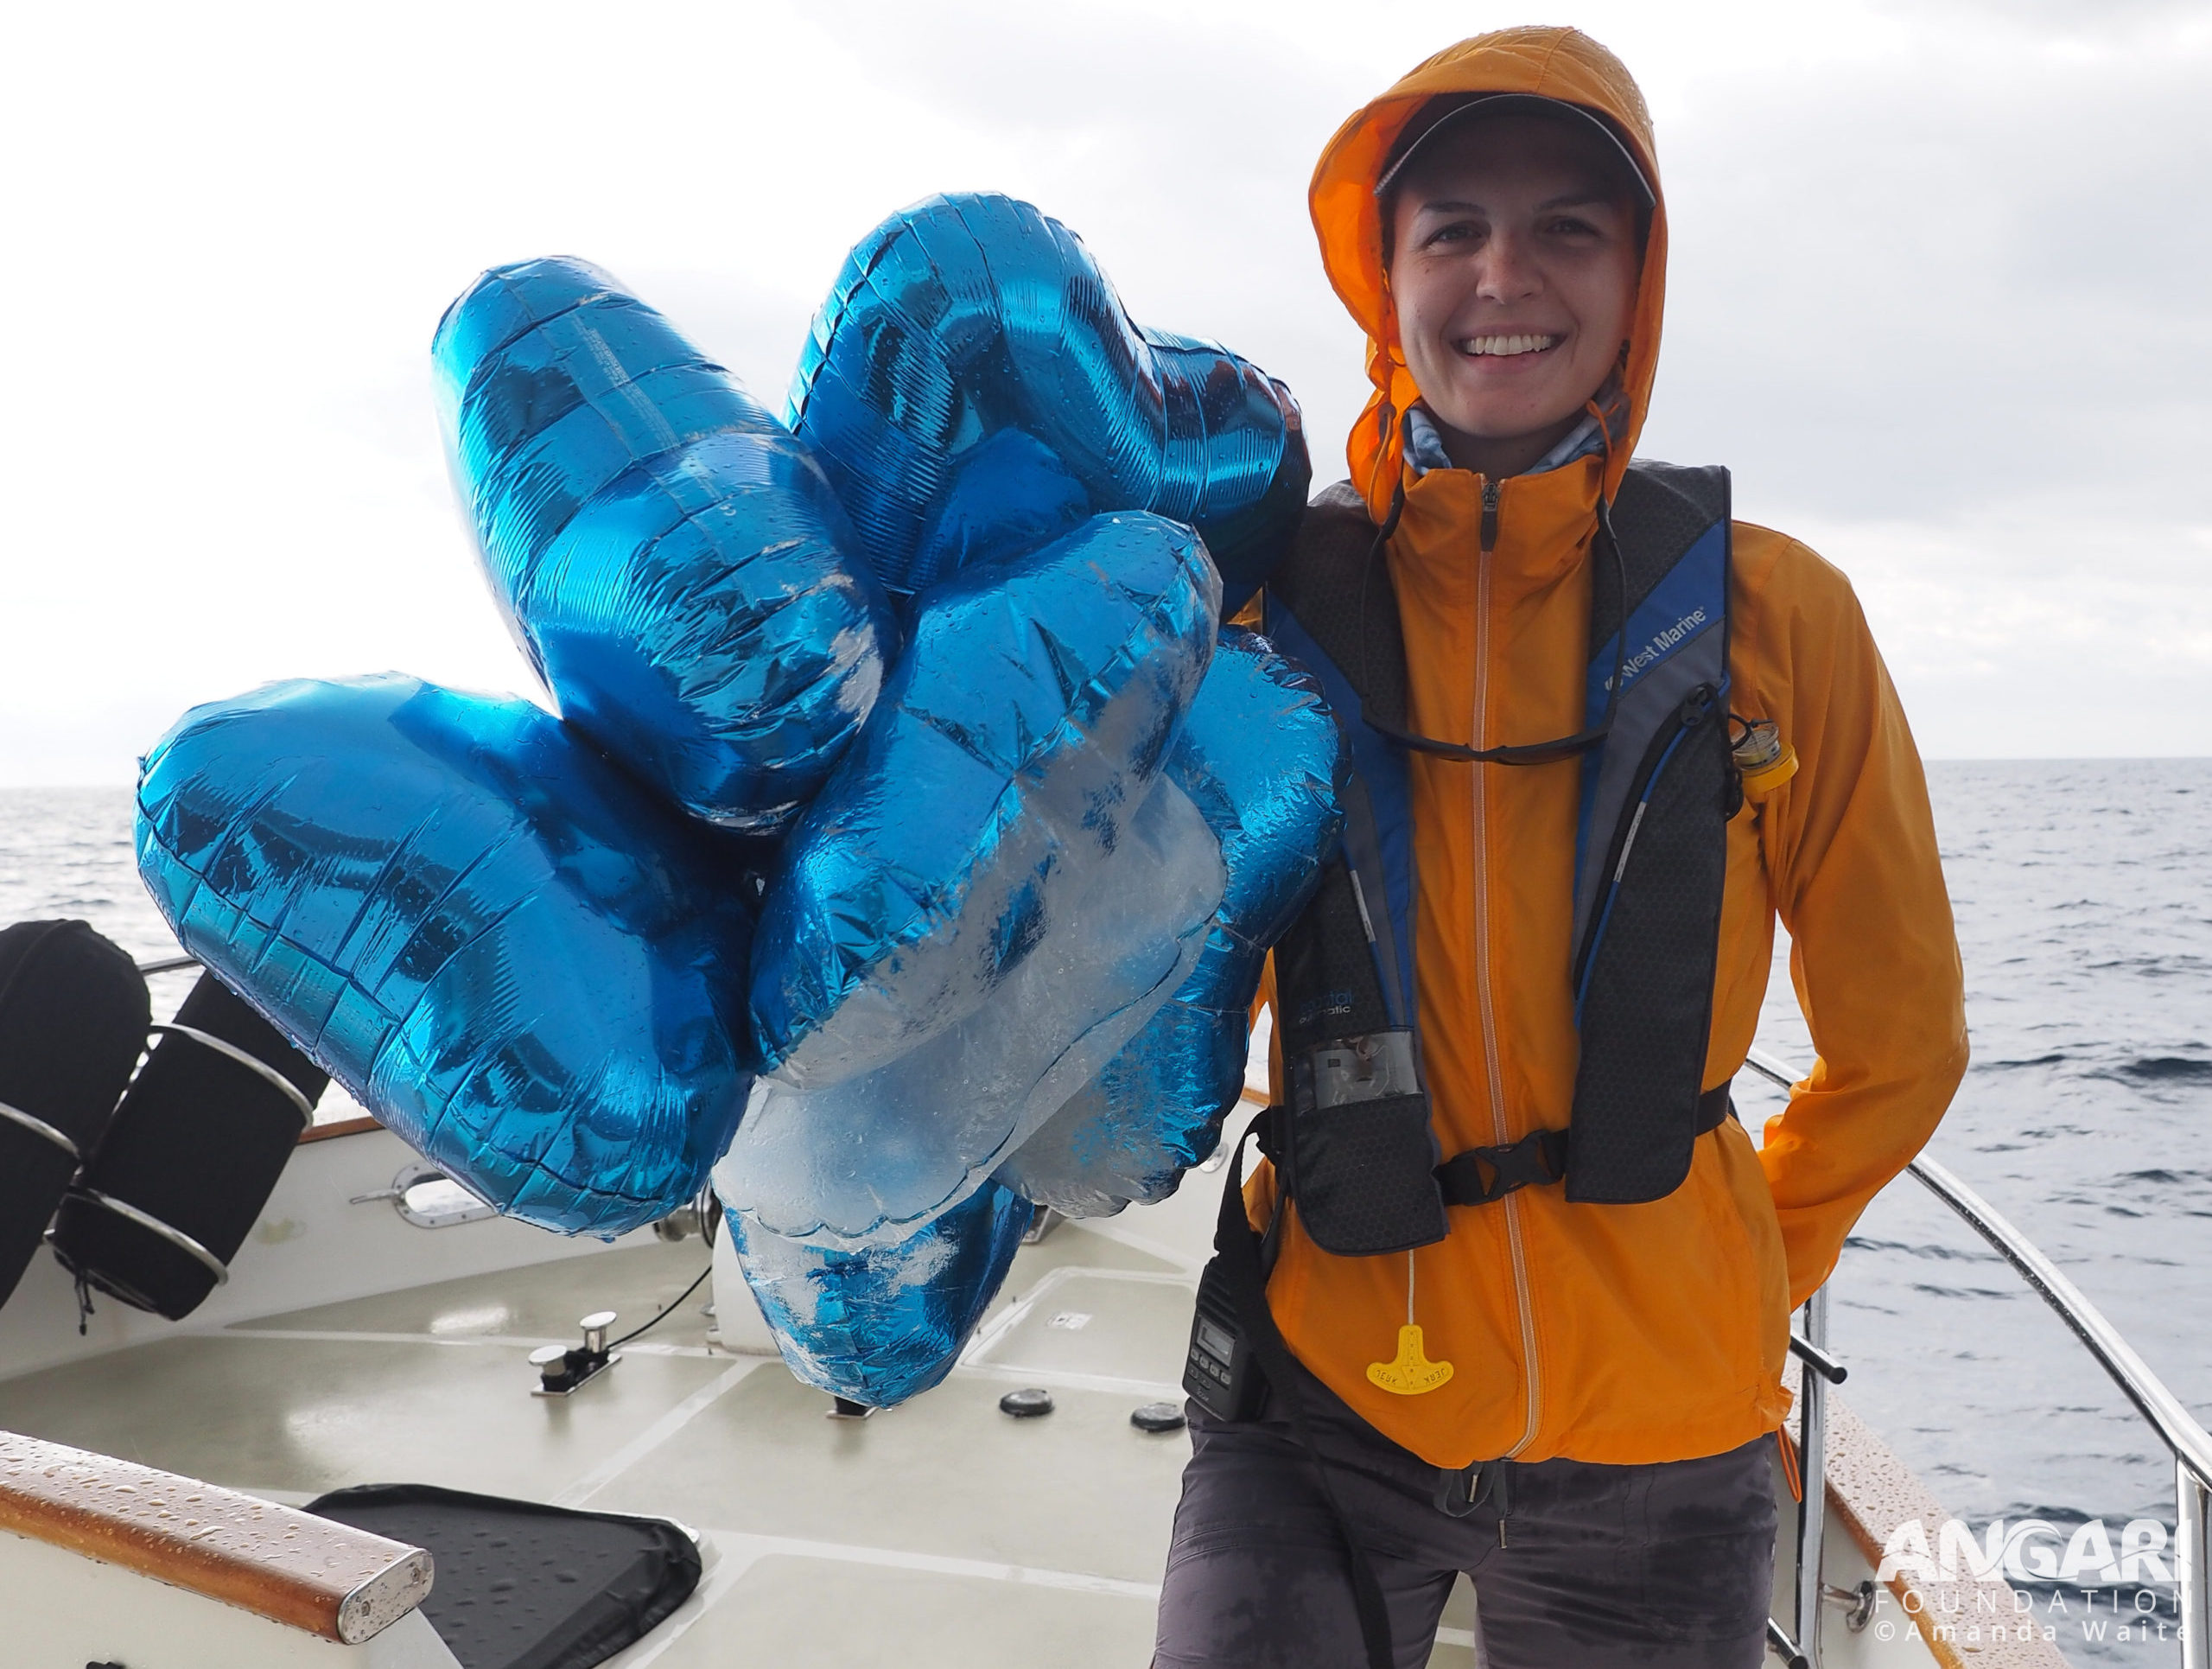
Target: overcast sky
point(1941, 294)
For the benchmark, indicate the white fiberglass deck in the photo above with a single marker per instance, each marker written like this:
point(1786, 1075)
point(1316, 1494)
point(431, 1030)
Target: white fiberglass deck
point(940, 1532)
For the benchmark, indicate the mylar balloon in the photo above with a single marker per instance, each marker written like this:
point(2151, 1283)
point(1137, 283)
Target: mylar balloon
point(992, 892)
point(670, 558)
point(1263, 758)
point(528, 968)
point(965, 316)
point(879, 1324)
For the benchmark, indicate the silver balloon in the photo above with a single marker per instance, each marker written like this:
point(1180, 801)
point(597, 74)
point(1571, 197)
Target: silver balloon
point(1263, 758)
point(994, 891)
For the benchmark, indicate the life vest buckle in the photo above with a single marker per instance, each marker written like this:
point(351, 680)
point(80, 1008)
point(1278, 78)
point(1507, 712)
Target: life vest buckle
point(1480, 1175)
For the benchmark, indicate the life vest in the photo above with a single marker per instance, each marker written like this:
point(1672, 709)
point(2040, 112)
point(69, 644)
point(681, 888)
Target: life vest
point(1353, 1141)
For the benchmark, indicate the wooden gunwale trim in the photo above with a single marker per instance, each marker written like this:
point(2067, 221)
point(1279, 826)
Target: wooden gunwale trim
point(291, 1567)
point(1873, 1492)
point(339, 1127)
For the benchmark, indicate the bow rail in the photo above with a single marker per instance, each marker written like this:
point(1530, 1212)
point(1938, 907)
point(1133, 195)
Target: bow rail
point(2185, 1438)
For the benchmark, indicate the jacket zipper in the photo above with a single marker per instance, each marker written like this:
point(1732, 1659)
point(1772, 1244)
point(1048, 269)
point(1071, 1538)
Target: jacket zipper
point(1524, 1307)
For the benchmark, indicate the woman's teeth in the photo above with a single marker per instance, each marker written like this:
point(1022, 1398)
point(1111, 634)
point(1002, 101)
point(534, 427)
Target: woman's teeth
point(1504, 345)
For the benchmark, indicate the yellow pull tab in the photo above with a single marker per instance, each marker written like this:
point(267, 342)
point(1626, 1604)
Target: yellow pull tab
point(1412, 1372)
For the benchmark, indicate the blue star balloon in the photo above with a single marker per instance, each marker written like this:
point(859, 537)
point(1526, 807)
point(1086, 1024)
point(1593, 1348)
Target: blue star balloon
point(879, 1324)
point(668, 556)
point(506, 950)
point(965, 317)
point(994, 891)
point(1261, 756)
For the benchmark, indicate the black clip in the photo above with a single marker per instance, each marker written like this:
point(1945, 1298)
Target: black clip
point(1538, 1158)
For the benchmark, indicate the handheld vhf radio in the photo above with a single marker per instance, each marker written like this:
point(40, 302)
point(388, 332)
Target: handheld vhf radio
point(1220, 1371)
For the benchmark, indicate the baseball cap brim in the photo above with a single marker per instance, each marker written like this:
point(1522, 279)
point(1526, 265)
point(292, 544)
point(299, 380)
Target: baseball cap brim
point(1506, 104)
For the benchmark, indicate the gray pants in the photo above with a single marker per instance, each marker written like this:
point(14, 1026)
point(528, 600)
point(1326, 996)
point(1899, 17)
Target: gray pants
point(1668, 1565)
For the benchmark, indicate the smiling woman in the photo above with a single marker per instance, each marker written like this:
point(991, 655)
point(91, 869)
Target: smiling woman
point(1561, 961)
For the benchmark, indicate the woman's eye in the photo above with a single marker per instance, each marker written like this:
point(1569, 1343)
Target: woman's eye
point(1457, 232)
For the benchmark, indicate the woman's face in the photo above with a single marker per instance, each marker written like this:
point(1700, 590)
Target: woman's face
point(1514, 266)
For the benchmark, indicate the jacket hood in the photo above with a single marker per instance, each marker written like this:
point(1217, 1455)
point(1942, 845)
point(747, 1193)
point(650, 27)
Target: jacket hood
point(1553, 63)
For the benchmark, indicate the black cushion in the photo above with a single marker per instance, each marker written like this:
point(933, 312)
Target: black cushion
point(198, 1143)
point(521, 1585)
point(73, 1011)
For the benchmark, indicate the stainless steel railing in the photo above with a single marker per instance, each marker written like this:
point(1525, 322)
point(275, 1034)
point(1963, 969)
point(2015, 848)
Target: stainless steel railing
point(2188, 1441)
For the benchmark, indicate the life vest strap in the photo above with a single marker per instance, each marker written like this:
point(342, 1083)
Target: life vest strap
point(1480, 1175)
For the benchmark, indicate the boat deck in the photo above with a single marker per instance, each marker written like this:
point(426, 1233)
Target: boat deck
point(940, 1532)
point(351, 1347)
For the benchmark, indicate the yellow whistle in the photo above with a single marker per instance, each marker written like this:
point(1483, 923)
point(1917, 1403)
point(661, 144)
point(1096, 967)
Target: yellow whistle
point(1412, 1372)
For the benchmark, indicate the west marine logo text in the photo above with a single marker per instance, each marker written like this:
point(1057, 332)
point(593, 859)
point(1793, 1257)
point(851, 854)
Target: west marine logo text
point(1662, 643)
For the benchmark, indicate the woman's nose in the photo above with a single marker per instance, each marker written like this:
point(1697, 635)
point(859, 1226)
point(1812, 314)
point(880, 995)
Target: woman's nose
point(1510, 271)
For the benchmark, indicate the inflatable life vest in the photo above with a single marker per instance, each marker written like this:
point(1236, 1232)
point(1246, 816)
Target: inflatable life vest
point(1353, 1141)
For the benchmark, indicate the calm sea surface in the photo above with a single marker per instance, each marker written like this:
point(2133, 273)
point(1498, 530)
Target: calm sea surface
point(2084, 899)
point(2083, 894)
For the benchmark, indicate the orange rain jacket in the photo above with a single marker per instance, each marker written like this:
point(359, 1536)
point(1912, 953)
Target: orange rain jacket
point(1610, 1333)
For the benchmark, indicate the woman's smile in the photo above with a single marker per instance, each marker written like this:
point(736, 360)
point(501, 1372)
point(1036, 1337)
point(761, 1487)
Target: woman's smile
point(1509, 345)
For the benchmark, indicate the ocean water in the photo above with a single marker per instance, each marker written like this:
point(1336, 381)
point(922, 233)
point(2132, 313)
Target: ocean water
point(2084, 896)
point(68, 852)
point(2083, 893)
